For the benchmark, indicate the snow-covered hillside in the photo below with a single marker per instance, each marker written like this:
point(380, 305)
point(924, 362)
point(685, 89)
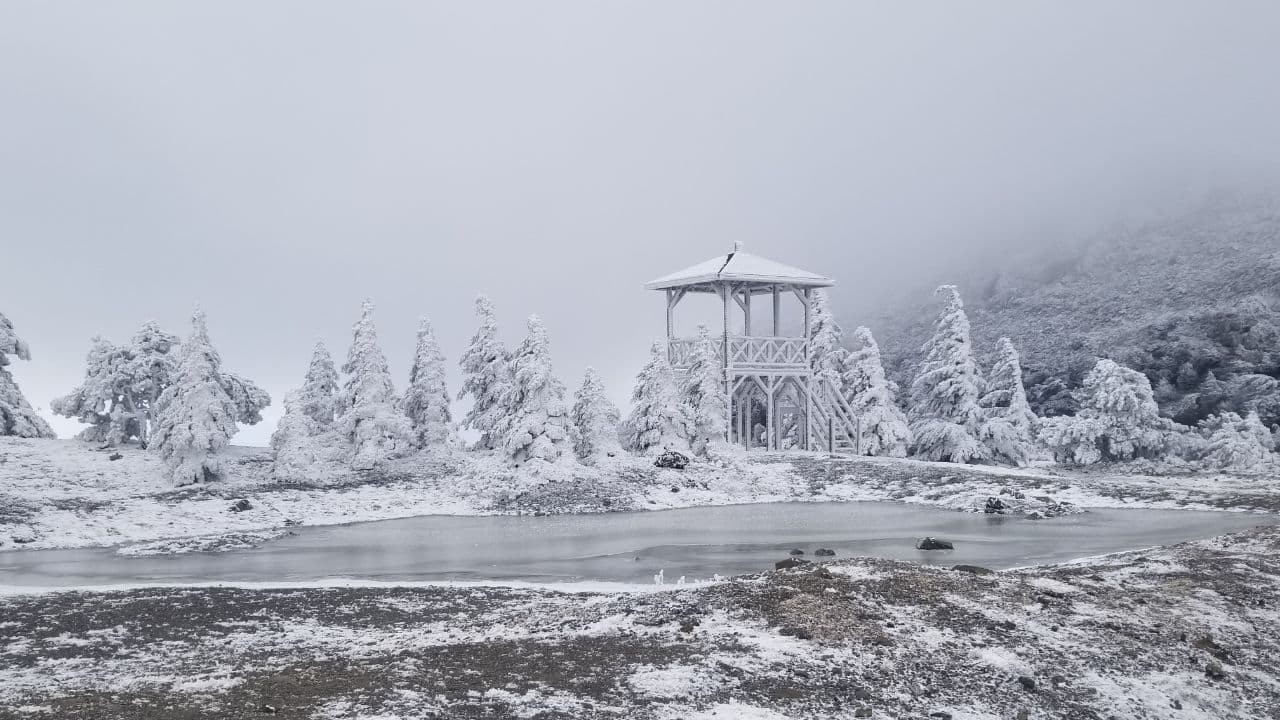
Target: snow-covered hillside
point(1192, 301)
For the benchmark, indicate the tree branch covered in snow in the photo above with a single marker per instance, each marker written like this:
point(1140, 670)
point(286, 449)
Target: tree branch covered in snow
point(17, 417)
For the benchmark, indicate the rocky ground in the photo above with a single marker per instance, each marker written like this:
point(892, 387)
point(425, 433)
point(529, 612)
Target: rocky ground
point(1190, 631)
point(65, 493)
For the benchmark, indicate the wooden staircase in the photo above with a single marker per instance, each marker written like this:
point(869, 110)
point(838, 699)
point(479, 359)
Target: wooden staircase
point(835, 426)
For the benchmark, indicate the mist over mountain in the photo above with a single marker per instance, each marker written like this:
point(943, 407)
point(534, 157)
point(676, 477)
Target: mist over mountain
point(1191, 300)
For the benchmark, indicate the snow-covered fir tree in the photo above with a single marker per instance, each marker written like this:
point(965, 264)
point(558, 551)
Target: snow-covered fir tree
point(705, 396)
point(658, 420)
point(17, 417)
point(486, 378)
point(826, 352)
point(196, 418)
point(296, 444)
point(945, 415)
point(1009, 426)
point(538, 428)
point(594, 420)
point(872, 397)
point(426, 400)
point(1118, 420)
point(1236, 442)
point(371, 421)
point(306, 434)
point(318, 396)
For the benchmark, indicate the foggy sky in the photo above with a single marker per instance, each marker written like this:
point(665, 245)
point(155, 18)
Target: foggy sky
point(278, 162)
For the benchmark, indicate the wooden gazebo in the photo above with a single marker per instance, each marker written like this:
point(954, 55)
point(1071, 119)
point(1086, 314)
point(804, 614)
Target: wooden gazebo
point(774, 398)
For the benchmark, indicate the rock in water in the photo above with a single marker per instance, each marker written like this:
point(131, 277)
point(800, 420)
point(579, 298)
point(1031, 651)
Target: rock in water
point(796, 552)
point(994, 506)
point(824, 552)
point(241, 505)
point(973, 569)
point(790, 563)
point(673, 460)
point(930, 543)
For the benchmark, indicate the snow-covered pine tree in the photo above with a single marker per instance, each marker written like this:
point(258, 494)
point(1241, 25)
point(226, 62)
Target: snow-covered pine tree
point(706, 401)
point(486, 378)
point(294, 444)
point(196, 418)
point(371, 421)
point(1118, 420)
point(658, 420)
point(426, 400)
point(1009, 426)
point(827, 354)
point(594, 420)
point(17, 417)
point(539, 424)
point(318, 396)
point(872, 397)
point(1235, 442)
point(945, 412)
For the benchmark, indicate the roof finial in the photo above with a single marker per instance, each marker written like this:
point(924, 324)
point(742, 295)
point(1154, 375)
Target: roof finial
point(737, 245)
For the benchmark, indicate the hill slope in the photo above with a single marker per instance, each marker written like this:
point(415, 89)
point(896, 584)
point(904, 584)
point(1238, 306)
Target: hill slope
point(1192, 301)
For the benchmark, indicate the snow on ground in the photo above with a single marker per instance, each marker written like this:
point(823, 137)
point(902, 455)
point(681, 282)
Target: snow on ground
point(66, 493)
point(1121, 636)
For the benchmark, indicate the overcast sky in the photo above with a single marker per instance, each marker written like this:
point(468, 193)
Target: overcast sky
point(278, 162)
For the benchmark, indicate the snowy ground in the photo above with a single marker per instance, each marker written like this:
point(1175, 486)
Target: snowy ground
point(65, 493)
point(1191, 631)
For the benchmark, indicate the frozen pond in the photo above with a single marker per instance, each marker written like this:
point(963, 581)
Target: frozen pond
point(631, 547)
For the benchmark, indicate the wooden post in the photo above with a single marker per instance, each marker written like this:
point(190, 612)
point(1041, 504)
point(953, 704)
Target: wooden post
point(768, 416)
point(777, 313)
point(746, 312)
point(724, 354)
point(831, 435)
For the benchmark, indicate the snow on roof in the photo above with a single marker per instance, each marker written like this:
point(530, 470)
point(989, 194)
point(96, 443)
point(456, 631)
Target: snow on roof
point(739, 266)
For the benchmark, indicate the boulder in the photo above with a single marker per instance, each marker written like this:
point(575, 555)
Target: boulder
point(931, 543)
point(973, 569)
point(824, 552)
point(1028, 684)
point(672, 460)
point(994, 506)
point(241, 505)
point(796, 552)
point(790, 563)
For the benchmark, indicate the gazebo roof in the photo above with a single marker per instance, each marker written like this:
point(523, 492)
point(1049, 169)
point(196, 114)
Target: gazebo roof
point(740, 267)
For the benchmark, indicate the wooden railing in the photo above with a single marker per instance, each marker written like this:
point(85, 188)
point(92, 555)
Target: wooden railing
point(746, 352)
